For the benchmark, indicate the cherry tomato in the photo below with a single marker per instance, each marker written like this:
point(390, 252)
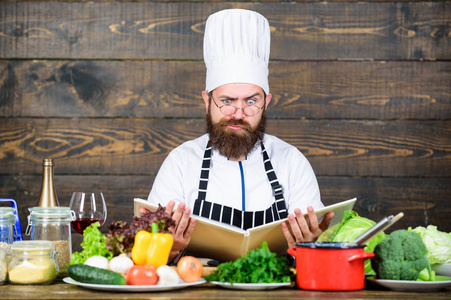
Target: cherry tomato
point(141, 275)
point(190, 269)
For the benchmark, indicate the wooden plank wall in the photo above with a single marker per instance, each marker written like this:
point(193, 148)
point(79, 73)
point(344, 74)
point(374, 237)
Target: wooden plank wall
point(108, 88)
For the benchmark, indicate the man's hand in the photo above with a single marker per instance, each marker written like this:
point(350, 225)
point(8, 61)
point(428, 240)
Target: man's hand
point(303, 231)
point(183, 229)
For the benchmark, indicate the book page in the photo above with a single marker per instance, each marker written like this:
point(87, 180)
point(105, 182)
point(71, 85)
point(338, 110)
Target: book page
point(272, 233)
point(216, 241)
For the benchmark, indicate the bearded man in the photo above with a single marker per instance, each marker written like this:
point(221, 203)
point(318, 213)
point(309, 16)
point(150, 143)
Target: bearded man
point(236, 173)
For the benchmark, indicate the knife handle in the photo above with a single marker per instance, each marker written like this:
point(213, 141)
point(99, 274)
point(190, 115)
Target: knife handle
point(376, 229)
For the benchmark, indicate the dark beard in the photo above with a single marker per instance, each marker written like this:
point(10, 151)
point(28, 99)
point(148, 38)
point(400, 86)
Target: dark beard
point(231, 143)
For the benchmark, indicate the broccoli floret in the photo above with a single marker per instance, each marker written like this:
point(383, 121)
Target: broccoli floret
point(401, 256)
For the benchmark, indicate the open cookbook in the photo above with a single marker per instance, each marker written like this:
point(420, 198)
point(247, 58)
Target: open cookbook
point(216, 240)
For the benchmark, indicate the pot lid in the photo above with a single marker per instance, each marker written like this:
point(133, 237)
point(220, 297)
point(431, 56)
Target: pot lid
point(328, 245)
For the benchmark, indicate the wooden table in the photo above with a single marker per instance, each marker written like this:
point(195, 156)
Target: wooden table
point(61, 290)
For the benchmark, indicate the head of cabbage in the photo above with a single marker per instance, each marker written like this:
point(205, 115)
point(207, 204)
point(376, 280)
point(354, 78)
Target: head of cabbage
point(438, 243)
point(350, 228)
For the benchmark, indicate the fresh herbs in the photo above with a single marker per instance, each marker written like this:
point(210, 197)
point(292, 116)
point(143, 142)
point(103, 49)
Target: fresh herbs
point(121, 235)
point(257, 266)
point(93, 244)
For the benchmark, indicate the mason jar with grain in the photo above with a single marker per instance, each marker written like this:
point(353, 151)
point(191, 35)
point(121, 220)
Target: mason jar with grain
point(32, 262)
point(53, 224)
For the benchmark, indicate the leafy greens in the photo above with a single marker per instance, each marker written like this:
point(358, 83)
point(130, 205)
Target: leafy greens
point(257, 266)
point(93, 244)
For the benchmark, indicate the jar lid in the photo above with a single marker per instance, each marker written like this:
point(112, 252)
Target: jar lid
point(33, 247)
point(51, 213)
point(7, 214)
point(55, 210)
point(6, 211)
point(32, 244)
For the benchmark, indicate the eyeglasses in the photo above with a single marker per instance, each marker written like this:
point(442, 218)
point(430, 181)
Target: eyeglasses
point(228, 110)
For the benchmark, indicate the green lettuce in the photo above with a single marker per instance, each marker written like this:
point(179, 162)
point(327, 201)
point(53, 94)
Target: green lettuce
point(438, 244)
point(93, 244)
point(350, 228)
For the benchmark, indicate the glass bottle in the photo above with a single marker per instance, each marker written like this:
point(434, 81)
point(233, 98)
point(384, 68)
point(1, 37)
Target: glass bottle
point(53, 224)
point(7, 220)
point(48, 196)
point(32, 262)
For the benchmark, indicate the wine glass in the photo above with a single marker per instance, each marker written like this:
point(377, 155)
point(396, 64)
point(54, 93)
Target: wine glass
point(89, 207)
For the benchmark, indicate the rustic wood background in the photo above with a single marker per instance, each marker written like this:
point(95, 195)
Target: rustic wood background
point(108, 88)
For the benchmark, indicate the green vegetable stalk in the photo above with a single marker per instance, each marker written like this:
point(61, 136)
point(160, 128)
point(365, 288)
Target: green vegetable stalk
point(93, 244)
point(257, 266)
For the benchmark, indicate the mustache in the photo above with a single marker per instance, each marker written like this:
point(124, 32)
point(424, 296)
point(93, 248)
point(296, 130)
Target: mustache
point(236, 122)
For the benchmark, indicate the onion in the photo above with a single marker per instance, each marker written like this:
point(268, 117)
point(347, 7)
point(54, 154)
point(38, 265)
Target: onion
point(167, 276)
point(97, 261)
point(120, 264)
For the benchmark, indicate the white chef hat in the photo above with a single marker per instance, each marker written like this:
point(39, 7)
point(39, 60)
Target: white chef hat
point(236, 48)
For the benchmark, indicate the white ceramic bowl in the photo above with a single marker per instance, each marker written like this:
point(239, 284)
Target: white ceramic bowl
point(442, 269)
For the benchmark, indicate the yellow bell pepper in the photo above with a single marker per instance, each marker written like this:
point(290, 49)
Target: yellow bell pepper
point(140, 246)
point(159, 248)
point(152, 248)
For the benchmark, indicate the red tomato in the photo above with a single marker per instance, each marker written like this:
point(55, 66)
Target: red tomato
point(141, 275)
point(190, 269)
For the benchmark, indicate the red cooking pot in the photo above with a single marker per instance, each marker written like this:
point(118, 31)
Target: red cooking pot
point(326, 266)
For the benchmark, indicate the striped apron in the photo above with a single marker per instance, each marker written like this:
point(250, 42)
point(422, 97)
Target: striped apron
point(233, 216)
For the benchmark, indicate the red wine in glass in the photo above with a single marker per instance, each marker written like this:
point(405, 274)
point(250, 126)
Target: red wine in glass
point(88, 208)
point(79, 225)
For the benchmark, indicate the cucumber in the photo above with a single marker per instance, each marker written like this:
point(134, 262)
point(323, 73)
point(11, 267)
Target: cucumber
point(88, 274)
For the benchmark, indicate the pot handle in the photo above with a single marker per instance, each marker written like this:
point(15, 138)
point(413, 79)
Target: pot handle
point(364, 255)
point(292, 251)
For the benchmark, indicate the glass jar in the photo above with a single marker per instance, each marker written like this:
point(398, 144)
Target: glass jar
point(32, 262)
point(7, 219)
point(3, 265)
point(53, 224)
